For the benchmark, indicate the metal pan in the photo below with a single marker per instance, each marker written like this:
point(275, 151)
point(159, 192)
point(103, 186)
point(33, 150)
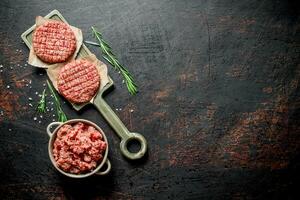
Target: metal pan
point(99, 102)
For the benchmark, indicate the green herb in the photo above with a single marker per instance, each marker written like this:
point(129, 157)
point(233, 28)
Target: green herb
point(60, 113)
point(109, 56)
point(42, 103)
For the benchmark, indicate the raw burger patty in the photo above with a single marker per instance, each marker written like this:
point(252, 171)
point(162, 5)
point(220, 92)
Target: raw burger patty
point(54, 42)
point(78, 81)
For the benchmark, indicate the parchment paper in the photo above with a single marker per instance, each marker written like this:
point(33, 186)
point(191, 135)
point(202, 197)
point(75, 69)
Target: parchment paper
point(35, 61)
point(53, 71)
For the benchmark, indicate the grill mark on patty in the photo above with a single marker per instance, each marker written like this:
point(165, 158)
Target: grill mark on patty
point(54, 42)
point(78, 81)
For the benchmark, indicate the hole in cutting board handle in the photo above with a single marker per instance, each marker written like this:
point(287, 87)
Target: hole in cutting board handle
point(129, 144)
point(134, 146)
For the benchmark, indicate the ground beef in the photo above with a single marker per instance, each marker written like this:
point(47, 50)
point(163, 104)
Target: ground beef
point(54, 42)
point(78, 148)
point(78, 81)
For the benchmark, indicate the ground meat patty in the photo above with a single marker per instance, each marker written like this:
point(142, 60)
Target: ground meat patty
point(78, 148)
point(54, 42)
point(78, 81)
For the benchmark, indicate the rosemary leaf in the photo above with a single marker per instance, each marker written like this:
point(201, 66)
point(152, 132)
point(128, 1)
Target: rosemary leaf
point(41, 107)
point(110, 57)
point(61, 116)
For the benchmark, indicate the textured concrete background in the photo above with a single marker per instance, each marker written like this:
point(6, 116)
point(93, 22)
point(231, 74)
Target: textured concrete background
point(218, 102)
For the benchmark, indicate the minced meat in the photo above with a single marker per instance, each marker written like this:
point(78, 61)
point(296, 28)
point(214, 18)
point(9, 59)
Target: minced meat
point(78, 148)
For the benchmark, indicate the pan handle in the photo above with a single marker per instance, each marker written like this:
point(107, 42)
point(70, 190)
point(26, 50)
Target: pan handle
point(121, 130)
point(50, 125)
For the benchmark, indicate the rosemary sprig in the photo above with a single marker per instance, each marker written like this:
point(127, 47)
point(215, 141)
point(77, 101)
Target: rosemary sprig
point(109, 56)
point(42, 103)
point(60, 113)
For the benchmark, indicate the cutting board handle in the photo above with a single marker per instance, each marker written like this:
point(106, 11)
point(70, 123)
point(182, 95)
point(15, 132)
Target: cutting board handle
point(125, 135)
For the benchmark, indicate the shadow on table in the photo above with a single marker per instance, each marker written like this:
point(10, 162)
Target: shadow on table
point(88, 188)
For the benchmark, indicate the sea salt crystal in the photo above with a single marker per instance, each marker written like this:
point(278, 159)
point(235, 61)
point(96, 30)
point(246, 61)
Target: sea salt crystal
point(41, 74)
point(1, 71)
point(8, 87)
point(30, 99)
point(30, 104)
point(123, 81)
point(34, 118)
point(44, 84)
point(53, 120)
point(36, 93)
point(40, 122)
point(131, 111)
point(9, 129)
point(25, 64)
point(1, 66)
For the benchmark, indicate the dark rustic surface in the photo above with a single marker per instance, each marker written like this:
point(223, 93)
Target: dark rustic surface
point(219, 100)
